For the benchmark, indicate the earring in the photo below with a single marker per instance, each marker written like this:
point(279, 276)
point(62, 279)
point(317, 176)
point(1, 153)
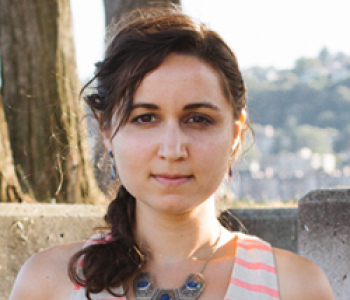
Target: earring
point(112, 164)
point(229, 171)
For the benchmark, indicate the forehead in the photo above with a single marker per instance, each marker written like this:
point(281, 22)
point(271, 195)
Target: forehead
point(184, 78)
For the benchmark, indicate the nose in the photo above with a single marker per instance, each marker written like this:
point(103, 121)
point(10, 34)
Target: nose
point(173, 142)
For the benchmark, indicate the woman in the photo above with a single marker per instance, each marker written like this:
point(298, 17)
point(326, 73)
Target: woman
point(170, 102)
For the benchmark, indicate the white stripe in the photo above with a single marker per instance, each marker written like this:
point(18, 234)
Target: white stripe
point(256, 255)
point(256, 277)
point(237, 293)
point(247, 238)
point(260, 277)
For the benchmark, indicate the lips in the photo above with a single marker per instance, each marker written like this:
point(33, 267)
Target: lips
point(172, 179)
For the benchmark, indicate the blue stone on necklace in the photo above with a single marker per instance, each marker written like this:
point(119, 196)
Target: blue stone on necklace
point(165, 297)
point(143, 284)
point(192, 285)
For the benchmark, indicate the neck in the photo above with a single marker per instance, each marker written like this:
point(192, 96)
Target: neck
point(174, 238)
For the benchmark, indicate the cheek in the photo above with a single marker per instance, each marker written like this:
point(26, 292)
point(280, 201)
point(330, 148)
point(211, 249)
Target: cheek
point(213, 156)
point(131, 154)
point(127, 143)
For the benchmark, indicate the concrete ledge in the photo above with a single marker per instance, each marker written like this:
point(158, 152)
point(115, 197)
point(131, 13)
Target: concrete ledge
point(324, 235)
point(278, 226)
point(26, 229)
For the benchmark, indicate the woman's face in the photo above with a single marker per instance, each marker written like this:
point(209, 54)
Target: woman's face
point(173, 152)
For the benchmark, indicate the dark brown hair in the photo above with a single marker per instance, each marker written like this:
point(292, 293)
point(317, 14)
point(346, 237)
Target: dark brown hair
point(140, 44)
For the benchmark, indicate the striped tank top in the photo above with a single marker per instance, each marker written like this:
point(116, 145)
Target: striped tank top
point(253, 276)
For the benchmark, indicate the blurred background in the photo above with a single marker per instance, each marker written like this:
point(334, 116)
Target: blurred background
point(295, 57)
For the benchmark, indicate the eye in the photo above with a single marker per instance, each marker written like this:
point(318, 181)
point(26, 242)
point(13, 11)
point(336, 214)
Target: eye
point(199, 119)
point(144, 119)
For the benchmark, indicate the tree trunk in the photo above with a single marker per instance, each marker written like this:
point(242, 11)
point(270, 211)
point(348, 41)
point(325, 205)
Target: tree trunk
point(41, 103)
point(10, 190)
point(114, 9)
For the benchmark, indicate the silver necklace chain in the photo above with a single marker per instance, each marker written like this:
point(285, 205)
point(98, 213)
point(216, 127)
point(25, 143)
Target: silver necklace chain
point(145, 289)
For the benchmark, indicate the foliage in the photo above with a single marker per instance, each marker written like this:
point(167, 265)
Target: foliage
point(303, 64)
point(308, 105)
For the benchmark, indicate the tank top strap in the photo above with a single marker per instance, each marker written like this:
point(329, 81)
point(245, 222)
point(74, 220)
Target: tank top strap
point(78, 292)
point(254, 273)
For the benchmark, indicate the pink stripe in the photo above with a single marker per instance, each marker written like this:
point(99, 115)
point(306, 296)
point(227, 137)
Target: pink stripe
point(80, 262)
point(254, 246)
point(109, 237)
point(76, 287)
point(94, 242)
point(255, 265)
point(101, 240)
point(253, 242)
point(255, 288)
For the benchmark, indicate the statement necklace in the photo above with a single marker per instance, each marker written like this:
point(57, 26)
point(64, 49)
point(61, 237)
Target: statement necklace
point(145, 289)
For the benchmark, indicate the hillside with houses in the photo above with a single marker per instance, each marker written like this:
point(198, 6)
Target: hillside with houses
point(301, 123)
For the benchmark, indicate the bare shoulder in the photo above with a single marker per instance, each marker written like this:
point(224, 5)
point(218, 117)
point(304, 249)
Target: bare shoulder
point(300, 278)
point(44, 275)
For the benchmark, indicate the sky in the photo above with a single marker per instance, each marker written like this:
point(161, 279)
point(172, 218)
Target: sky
point(261, 32)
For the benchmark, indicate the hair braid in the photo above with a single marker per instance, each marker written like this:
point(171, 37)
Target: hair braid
point(118, 259)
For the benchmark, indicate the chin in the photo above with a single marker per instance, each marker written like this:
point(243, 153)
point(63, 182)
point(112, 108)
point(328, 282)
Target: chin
point(173, 206)
point(177, 205)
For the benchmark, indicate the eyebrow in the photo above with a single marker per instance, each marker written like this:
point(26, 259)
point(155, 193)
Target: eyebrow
point(145, 105)
point(196, 105)
point(201, 105)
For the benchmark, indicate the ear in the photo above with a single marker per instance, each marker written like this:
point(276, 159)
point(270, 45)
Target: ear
point(236, 134)
point(237, 130)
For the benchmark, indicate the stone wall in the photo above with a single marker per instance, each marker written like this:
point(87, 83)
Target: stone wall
point(28, 228)
point(322, 233)
point(324, 236)
point(278, 226)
